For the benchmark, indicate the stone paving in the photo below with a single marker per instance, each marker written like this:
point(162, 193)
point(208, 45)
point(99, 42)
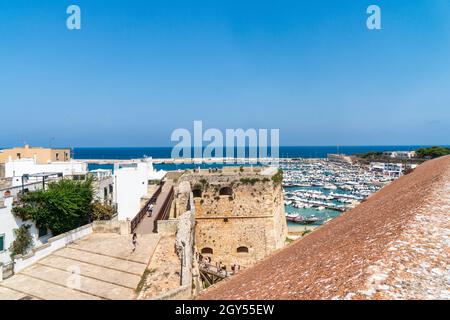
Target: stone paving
point(108, 270)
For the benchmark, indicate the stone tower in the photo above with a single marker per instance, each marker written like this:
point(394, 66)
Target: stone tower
point(239, 212)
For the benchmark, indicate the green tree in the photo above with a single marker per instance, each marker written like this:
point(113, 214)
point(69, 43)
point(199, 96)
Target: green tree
point(432, 152)
point(23, 241)
point(63, 206)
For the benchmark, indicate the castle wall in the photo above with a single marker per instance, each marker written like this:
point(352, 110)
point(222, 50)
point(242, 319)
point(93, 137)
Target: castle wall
point(250, 214)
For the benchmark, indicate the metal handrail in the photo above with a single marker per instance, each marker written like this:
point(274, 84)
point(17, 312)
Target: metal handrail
point(141, 214)
point(163, 213)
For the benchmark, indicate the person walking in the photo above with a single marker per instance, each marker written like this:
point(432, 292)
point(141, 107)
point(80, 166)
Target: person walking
point(150, 210)
point(134, 241)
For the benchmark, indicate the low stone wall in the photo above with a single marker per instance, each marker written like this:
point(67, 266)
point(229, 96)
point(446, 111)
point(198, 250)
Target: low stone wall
point(167, 227)
point(180, 293)
point(184, 243)
point(112, 226)
point(53, 244)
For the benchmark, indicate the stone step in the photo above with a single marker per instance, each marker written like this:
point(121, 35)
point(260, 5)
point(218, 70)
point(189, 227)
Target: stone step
point(8, 294)
point(106, 274)
point(43, 289)
point(92, 258)
point(87, 285)
point(118, 246)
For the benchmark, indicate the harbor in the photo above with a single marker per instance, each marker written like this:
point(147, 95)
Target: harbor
point(318, 190)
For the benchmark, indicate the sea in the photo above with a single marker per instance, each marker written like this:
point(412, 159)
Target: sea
point(127, 153)
point(284, 151)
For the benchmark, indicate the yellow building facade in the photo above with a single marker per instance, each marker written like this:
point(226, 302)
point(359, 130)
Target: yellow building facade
point(42, 155)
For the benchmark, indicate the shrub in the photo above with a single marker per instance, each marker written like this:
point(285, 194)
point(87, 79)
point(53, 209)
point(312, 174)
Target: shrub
point(251, 181)
point(278, 177)
point(100, 211)
point(23, 241)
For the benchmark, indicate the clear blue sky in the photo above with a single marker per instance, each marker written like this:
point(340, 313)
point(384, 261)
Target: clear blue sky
point(139, 69)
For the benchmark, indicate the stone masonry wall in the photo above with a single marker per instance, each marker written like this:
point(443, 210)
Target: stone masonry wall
point(236, 210)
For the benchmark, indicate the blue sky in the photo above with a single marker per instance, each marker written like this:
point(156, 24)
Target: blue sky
point(137, 70)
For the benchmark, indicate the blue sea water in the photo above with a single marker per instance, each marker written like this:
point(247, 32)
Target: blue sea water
point(284, 152)
point(165, 153)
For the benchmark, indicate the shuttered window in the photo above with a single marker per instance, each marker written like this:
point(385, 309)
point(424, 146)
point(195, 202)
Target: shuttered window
point(2, 242)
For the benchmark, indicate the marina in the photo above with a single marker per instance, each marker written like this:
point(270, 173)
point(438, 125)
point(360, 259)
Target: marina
point(318, 190)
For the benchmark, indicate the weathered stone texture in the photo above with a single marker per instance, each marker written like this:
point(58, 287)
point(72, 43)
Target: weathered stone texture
point(234, 210)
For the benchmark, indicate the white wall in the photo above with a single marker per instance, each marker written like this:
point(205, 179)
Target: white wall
point(131, 185)
point(152, 173)
point(53, 244)
point(9, 222)
point(17, 168)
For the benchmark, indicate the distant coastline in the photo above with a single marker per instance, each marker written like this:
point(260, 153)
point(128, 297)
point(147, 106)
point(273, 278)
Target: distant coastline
point(125, 153)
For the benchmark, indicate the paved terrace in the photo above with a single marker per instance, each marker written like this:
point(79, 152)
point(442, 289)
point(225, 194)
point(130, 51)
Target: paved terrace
point(109, 270)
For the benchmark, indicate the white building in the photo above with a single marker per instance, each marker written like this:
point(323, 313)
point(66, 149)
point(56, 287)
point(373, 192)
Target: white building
point(103, 185)
point(9, 222)
point(400, 154)
point(16, 169)
point(388, 169)
point(131, 184)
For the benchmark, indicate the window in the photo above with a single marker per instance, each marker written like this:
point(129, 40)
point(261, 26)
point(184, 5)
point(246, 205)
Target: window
point(226, 191)
point(57, 156)
point(2, 242)
point(197, 193)
point(18, 156)
point(242, 250)
point(206, 251)
point(42, 232)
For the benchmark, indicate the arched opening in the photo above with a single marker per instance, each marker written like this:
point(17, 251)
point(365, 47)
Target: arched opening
point(242, 250)
point(206, 251)
point(197, 193)
point(226, 191)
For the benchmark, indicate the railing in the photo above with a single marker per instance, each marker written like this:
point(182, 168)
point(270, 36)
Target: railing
point(213, 270)
point(164, 211)
point(138, 218)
